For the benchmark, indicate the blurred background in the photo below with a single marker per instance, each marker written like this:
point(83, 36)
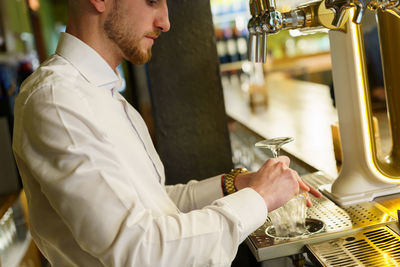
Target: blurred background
point(296, 81)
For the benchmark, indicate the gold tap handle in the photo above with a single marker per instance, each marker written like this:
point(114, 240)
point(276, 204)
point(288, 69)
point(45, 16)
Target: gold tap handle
point(326, 15)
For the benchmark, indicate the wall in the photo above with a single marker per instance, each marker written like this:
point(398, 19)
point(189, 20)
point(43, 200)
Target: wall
point(15, 20)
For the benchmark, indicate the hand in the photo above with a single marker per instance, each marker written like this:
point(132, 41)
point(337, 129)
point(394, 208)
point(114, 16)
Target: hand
point(275, 182)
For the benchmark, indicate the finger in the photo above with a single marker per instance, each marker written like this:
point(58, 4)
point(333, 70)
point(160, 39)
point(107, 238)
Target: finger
point(309, 203)
point(313, 191)
point(308, 200)
point(285, 160)
point(281, 159)
point(269, 162)
point(303, 185)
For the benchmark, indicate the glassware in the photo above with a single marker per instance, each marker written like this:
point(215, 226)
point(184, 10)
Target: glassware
point(290, 219)
point(274, 144)
point(313, 226)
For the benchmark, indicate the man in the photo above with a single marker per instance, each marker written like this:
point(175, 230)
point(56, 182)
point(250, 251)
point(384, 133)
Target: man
point(94, 182)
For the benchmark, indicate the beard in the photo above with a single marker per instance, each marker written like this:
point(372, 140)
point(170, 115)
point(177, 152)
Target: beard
point(129, 44)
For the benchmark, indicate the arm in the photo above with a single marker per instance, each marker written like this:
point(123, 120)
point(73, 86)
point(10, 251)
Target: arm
point(198, 194)
point(195, 194)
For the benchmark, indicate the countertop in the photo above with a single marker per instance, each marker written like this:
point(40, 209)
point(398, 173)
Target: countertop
point(299, 109)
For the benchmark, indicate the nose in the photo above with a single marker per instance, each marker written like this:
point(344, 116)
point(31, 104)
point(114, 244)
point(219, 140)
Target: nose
point(162, 20)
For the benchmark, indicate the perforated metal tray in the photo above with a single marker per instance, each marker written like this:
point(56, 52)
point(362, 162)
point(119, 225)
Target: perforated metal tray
point(376, 247)
point(338, 222)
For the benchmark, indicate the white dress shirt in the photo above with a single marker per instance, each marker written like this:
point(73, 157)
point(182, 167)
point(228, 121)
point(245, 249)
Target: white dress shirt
point(95, 183)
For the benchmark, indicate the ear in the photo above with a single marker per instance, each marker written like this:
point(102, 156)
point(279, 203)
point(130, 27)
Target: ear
point(99, 5)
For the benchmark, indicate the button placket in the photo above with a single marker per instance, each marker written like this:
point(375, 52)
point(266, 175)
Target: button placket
point(149, 150)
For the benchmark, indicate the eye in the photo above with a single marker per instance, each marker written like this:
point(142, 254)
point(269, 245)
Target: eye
point(152, 2)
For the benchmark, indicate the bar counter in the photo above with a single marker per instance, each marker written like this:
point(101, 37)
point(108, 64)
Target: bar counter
point(305, 111)
point(299, 109)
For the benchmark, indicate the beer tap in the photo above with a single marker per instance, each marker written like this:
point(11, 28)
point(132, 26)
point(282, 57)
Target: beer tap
point(252, 31)
point(390, 6)
point(257, 37)
point(339, 7)
point(267, 20)
point(365, 173)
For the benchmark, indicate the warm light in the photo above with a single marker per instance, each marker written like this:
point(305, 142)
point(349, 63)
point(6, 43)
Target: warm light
point(369, 136)
point(384, 218)
point(34, 4)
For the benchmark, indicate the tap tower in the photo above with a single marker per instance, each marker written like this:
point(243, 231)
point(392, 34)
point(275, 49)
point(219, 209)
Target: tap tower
point(365, 173)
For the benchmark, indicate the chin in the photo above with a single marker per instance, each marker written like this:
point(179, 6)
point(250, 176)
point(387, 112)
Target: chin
point(139, 59)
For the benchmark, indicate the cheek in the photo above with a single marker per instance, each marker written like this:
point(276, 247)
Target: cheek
point(135, 29)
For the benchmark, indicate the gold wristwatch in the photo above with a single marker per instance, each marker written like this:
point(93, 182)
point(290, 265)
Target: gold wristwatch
point(228, 181)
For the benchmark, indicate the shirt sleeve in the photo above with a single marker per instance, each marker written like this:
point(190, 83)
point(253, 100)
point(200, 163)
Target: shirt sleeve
point(76, 168)
point(195, 194)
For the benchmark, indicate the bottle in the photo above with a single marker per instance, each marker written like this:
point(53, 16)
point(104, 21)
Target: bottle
point(242, 44)
point(221, 46)
point(231, 44)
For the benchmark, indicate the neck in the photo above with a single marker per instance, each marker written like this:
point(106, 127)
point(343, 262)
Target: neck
point(95, 37)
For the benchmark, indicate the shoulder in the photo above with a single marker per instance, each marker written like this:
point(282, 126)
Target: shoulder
point(56, 85)
point(54, 71)
point(54, 74)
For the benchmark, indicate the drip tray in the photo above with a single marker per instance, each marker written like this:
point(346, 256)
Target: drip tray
point(338, 222)
point(374, 247)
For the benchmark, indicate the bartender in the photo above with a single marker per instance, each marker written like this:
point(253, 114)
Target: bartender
point(93, 179)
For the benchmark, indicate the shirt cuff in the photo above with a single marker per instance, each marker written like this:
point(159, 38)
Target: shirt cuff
point(207, 191)
point(251, 209)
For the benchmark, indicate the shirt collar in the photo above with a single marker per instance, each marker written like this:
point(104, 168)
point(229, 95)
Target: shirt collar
point(88, 62)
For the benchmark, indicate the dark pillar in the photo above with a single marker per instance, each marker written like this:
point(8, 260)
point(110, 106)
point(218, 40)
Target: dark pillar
point(191, 132)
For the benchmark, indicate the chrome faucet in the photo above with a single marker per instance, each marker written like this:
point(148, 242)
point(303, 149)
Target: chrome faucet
point(265, 19)
point(339, 7)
